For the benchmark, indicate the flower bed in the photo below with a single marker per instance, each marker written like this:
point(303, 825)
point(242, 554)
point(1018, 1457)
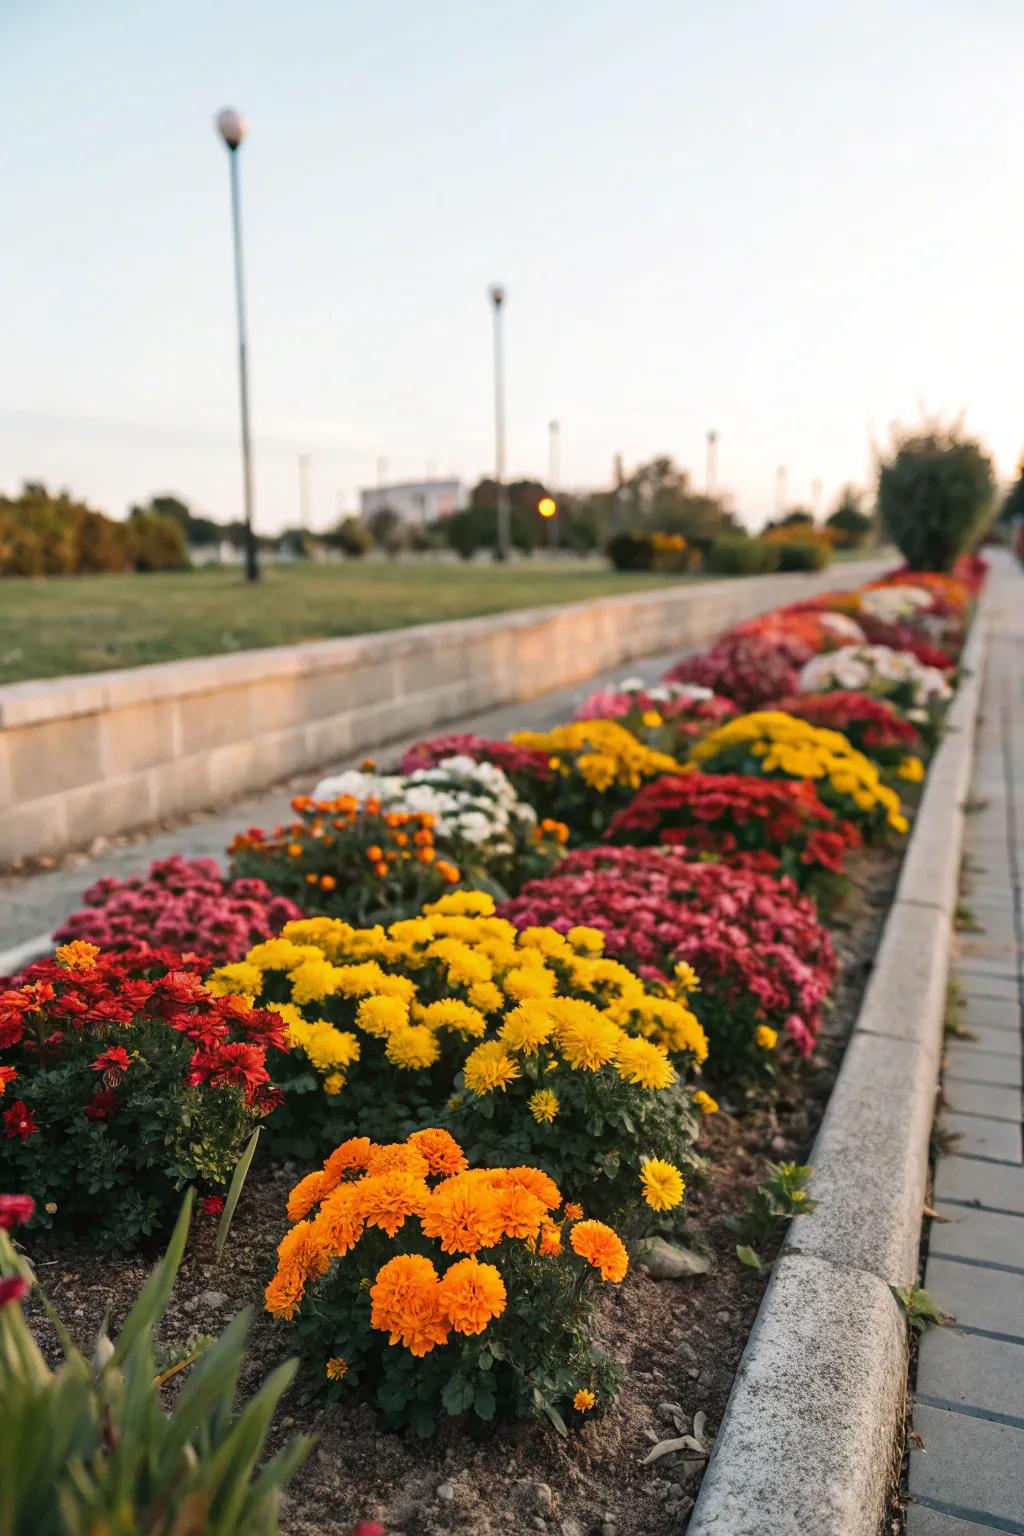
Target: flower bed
point(764, 959)
point(182, 904)
point(746, 669)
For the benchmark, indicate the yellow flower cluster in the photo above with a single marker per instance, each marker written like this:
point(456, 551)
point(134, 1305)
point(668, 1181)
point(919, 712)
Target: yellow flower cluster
point(799, 750)
point(602, 752)
point(459, 971)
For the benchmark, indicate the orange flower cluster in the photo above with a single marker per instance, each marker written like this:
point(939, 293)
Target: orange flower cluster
point(363, 1185)
point(551, 831)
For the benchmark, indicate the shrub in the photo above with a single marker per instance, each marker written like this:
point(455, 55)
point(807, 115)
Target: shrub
point(936, 495)
point(596, 767)
point(478, 820)
point(91, 1448)
point(765, 962)
point(772, 743)
point(745, 668)
point(182, 904)
point(442, 1290)
point(849, 525)
point(53, 535)
point(352, 537)
point(740, 555)
point(630, 551)
point(804, 554)
point(774, 826)
point(347, 858)
point(874, 726)
point(126, 1079)
point(382, 1023)
point(157, 541)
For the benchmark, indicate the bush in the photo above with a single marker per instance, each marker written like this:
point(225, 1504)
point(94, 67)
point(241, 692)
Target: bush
point(352, 537)
point(765, 962)
point(93, 1448)
point(47, 535)
point(503, 1331)
point(771, 743)
point(157, 542)
point(849, 525)
point(749, 668)
point(478, 821)
point(546, 1043)
point(183, 904)
point(873, 725)
point(936, 495)
point(772, 826)
point(347, 859)
point(125, 1080)
point(630, 551)
point(803, 555)
point(740, 555)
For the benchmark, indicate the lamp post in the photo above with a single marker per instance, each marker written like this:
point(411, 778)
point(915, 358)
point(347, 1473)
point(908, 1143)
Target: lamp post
point(710, 475)
point(232, 127)
point(780, 490)
point(554, 476)
point(497, 296)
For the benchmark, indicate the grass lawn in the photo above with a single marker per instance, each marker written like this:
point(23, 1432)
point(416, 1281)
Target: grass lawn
point(61, 624)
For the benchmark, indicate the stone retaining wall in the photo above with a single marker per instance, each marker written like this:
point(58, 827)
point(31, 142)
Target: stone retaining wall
point(115, 751)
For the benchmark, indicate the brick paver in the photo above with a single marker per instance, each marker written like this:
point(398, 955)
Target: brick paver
point(968, 1474)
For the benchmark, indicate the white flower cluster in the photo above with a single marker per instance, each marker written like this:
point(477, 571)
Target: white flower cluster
point(470, 802)
point(843, 627)
point(874, 669)
point(665, 693)
point(891, 604)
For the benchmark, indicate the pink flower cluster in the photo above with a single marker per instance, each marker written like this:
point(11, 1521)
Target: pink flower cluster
point(182, 904)
point(762, 955)
point(746, 668)
point(517, 762)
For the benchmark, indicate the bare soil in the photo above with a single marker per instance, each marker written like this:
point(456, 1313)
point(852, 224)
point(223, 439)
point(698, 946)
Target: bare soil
point(679, 1342)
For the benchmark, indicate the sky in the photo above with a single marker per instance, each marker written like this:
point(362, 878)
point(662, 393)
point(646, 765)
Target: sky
point(794, 223)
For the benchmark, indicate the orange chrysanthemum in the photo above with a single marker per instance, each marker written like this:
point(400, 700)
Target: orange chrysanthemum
point(573, 1212)
point(550, 1240)
point(441, 1150)
point(406, 1304)
point(307, 1193)
point(463, 1214)
point(521, 1211)
point(397, 1157)
point(472, 1294)
point(354, 1153)
point(538, 1183)
point(386, 1199)
point(602, 1248)
point(339, 1224)
point(300, 1258)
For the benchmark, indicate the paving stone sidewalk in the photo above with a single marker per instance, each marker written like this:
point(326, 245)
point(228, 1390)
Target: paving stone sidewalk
point(968, 1479)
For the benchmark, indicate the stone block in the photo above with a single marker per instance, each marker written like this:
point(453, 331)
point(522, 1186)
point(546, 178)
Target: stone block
point(108, 809)
point(992, 1299)
point(218, 719)
point(977, 1137)
point(870, 1161)
point(923, 1521)
point(983, 1237)
point(807, 1440)
point(982, 1099)
point(971, 1064)
point(972, 1464)
point(55, 757)
point(971, 1371)
point(996, 1186)
point(38, 827)
point(140, 737)
point(986, 985)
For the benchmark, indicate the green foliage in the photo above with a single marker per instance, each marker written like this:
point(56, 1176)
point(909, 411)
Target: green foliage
point(352, 537)
point(90, 1449)
point(42, 534)
point(798, 555)
point(387, 530)
point(157, 541)
point(777, 1199)
point(668, 552)
point(921, 1310)
point(849, 525)
point(740, 555)
point(935, 495)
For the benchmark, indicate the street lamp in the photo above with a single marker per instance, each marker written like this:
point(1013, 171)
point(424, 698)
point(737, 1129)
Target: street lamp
point(497, 296)
point(232, 127)
point(710, 476)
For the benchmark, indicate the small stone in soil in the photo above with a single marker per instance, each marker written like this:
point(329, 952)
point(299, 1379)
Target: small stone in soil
point(536, 1497)
point(446, 1491)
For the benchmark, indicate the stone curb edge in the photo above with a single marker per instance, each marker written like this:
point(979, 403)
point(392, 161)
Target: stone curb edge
point(809, 1436)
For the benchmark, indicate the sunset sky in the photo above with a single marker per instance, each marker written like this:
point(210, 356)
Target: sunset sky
point(792, 222)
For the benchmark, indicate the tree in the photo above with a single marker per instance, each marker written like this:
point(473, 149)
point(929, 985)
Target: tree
point(849, 524)
point(1011, 513)
point(157, 541)
point(387, 530)
point(936, 494)
point(197, 530)
point(352, 537)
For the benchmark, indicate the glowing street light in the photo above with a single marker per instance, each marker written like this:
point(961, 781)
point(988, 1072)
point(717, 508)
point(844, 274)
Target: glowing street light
point(232, 127)
point(547, 506)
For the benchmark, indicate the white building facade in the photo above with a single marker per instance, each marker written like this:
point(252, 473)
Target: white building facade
point(415, 501)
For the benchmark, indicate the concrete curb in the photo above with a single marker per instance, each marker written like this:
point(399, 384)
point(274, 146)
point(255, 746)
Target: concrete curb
point(16, 958)
point(810, 1429)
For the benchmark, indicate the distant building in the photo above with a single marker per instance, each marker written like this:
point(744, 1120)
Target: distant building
point(415, 501)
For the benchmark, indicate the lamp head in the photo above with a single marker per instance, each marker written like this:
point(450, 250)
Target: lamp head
point(232, 127)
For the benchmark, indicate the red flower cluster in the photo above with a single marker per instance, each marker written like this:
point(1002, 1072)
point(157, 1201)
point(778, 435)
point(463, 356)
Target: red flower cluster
point(762, 955)
point(186, 904)
point(747, 668)
point(805, 627)
point(873, 725)
point(780, 821)
point(517, 762)
point(906, 637)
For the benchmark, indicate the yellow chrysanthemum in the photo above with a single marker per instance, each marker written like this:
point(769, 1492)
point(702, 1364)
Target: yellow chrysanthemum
point(644, 1063)
point(662, 1183)
point(543, 1106)
point(412, 1047)
point(911, 769)
point(584, 1400)
point(527, 1027)
point(336, 1368)
point(766, 1037)
point(705, 1103)
point(239, 979)
point(489, 1067)
point(380, 1015)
